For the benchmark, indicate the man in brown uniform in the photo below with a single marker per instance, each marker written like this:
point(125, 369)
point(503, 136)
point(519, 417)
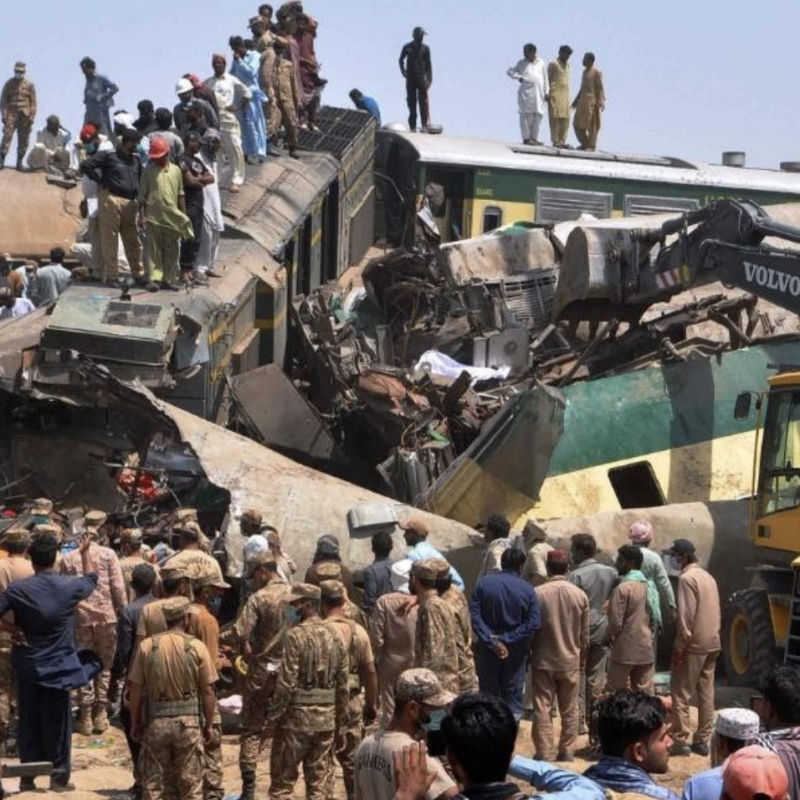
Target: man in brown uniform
point(261, 628)
point(172, 707)
point(265, 44)
point(558, 101)
point(308, 714)
point(629, 628)
point(558, 651)
point(695, 652)
point(589, 105)
point(361, 672)
point(288, 94)
point(18, 110)
point(130, 550)
point(436, 641)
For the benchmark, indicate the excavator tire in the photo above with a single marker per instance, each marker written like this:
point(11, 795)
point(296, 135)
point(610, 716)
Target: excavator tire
point(748, 641)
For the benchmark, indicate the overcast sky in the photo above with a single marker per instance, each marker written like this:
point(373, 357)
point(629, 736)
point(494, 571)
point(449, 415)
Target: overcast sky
point(684, 78)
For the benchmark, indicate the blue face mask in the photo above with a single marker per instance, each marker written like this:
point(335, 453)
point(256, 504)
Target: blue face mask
point(434, 722)
point(292, 615)
point(215, 605)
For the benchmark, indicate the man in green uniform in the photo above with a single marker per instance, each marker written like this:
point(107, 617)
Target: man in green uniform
point(309, 706)
point(288, 94)
point(558, 102)
point(589, 105)
point(172, 707)
point(18, 110)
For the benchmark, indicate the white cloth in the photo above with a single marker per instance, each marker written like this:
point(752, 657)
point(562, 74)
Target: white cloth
point(20, 308)
point(447, 369)
point(534, 85)
point(529, 125)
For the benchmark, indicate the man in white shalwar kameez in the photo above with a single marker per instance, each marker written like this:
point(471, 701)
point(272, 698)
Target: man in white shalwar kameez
point(534, 91)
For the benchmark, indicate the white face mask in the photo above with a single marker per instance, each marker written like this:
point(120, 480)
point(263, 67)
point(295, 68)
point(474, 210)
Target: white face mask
point(675, 564)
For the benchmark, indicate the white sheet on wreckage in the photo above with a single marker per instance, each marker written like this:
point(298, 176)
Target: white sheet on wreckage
point(438, 365)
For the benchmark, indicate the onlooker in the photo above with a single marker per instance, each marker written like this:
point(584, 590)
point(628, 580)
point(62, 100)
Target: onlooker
point(213, 223)
point(378, 575)
point(536, 547)
point(12, 307)
point(368, 104)
point(416, 67)
point(641, 534)
point(558, 102)
point(780, 713)
point(534, 92)
point(557, 654)
point(696, 649)
point(328, 551)
point(98, 97)
point(630, 625)
point(597, 581)
point(165, 130)
point(186, 93)
point(196, 176)
point(633, 729)
point(51, 151)
point(497, 542)
point(734, 729)
point(589, 105)
point(505, 616)
point(51, 280)
point(754, 773)
point(146, 122)
point(416, 537)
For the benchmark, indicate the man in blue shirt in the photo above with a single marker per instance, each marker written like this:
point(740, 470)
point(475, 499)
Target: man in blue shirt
point(505, 615)
point(44, 657)
point(368, 104)
point(416, 537)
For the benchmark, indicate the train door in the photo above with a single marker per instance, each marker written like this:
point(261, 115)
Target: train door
point(446, 191)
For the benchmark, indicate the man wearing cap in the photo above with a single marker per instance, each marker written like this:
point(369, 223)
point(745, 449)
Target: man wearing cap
point(734, 729)
point(755, 773)
point(47, 666)
point(327, 551)
point(641, 534)
point(332, 571)
point(534, 92)
point(51, 151)
point(96, 622)
point(12, 307)
point(534, 537)
point(175, 582)
point(505, 615)
point(130, 550)
point(436, 638)
point(117, 173)
point(172, 707)
point(308, 713)
point(467, 677)
point(695, 651)
point(190, 556)
point(162, 209)
point(98, 96)
point(17, 110)
point(497, 542)
point(632, 609)
point(558, 101)
point(187, 93)
point(260, 629)
point(780, 713)
point(392, 632)
point(418, 693)
point(558, 652)
point(362, 680)
point(415, 533)
point(416, 67)
point(287, 92)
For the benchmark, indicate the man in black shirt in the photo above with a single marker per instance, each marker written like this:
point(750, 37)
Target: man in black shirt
point(117, 175)
point(195, 176)
point(415, 64)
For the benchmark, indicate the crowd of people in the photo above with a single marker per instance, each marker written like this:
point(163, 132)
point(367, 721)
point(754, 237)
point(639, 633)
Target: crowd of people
point(357, 668)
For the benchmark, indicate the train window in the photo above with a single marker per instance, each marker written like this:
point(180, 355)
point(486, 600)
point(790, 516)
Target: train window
point(492, 218)
point(636, 486)
point(561, 205)
point(638, 205)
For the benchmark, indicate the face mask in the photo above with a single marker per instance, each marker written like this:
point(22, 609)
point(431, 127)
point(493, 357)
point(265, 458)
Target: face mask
point(214, 605)
point(434, 720)
point(675, 564)
point(91, 148)
point(292, 615)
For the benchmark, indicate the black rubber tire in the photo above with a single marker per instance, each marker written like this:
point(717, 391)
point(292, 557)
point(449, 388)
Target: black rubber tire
point(747, 623)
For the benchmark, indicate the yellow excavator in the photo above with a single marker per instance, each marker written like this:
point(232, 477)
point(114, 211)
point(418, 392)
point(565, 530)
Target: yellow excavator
point(618, 273)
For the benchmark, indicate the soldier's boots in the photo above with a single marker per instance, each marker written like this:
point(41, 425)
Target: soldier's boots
point(248, 786)
point(100, 721)
point(84, 724)
point(20, 165)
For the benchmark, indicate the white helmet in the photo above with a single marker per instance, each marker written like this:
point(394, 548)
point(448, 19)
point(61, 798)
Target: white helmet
point(183, 85)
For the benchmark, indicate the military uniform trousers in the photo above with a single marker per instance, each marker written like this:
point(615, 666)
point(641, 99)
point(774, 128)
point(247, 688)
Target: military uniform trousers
point(694, 674)
point(171, 763)
point(548, 687)
point(117, 217)
point(619, 675)
point(22, 124)
point(212, 777)
point(353, 734)
point(102, 639)
point(290, 749)
point(288, 113)
point(258, 693)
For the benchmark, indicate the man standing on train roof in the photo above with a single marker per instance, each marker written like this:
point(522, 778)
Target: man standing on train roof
point(415, 64)
point(533, 94)
point(558, 104)
point(589, 105)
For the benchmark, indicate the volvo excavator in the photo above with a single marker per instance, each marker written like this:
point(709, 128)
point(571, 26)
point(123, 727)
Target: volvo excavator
point(609, 272)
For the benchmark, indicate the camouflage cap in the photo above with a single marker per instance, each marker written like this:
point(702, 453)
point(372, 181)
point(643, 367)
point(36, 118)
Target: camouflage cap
point(426, 570)
point(42, 507)
point(209, 580)
point(416, 524)
point(259, 560)
point(131, 536)
point(423, 686)
point(17, 536)
point(186, 515)
point(188, 530)
point(48, 529)
point(328, 571)
point(175, 608)
point(331, 590)
point(95, 518)
point(174, 573)
point(304, 591)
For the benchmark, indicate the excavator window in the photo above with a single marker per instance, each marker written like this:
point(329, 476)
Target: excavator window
point(779, 488)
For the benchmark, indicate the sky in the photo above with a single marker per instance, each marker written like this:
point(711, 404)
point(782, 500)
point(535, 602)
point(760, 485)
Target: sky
point(685, 78)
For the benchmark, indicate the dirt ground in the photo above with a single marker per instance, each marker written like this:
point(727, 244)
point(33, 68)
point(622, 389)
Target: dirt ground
point(101, 764)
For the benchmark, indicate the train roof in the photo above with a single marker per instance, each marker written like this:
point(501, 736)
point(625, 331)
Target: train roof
point(487, 153)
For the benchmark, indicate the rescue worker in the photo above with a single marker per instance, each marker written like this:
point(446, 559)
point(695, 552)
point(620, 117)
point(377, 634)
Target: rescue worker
point(335, 571)
point(96, 622)
point(362, 679)
point(327, 552)
point(287, 92)
point(695, 652)
point(130, 550)
point(260, 629)
point(558, 652)
point(534, 92)
point(416, 67)
point(172, 707)
point(17, 110)
point(436, 638)
point(265, 45)
point(308, 713)
point(175, 582)
point(467, 676)
point(558, 102)
point(589, 105)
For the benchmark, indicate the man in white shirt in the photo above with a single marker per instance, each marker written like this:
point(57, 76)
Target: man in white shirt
point(51, 280)
point(534, 92)
point(231, 96)
point(51, 152)
point(12, 307)
point(418, 694)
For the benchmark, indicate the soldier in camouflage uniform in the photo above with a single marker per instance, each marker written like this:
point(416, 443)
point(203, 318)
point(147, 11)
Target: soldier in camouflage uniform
point(261, 628)
point(17, 109)
point(288, 95)
point(309, 705)
point(172, 708)
point(437, 629)
point(467, 676)
point(332, 571)
point(362, 675)
point(130, 548)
